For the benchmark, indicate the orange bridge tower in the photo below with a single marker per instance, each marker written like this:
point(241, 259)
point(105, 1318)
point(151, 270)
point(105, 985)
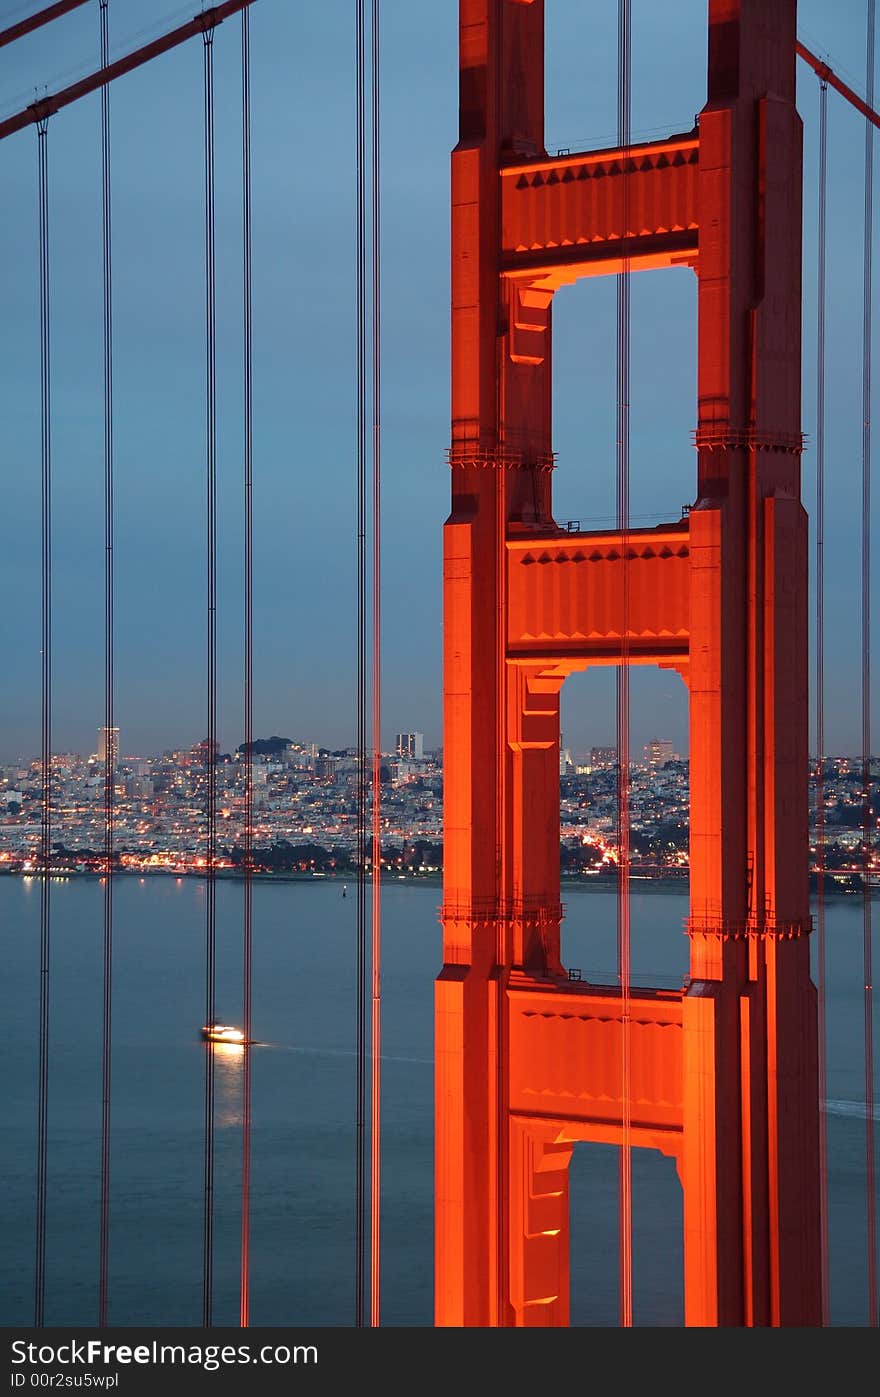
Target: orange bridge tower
point(723, 1073)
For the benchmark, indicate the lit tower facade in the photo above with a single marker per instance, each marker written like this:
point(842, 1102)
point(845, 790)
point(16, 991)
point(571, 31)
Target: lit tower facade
point(108, 741)
point(724, 1072)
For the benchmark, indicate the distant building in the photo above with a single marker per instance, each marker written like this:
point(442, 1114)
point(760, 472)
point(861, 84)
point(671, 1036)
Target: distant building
point(403, 770)
point(658, 752)
point(139, 786)
point(603, 758)
point(206, 751)
point(64, 761)
point(410, 746)
point(108, 737)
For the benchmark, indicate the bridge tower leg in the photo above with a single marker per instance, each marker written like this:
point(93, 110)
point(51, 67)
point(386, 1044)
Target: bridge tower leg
point(500, 458)
point(751, 1130)
point(745, 1046)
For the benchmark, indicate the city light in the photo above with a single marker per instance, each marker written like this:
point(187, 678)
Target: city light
point(304, 815)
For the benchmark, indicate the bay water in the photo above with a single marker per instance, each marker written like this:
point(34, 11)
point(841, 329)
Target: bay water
point(303, 1085)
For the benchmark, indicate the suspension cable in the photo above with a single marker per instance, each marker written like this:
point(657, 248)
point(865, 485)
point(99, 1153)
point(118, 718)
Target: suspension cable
point(210, 756)
point(820, 685)
point(244, 1306)
point(46, 729)
point(827, 74)
point(36, 21)
point(624, 104)
point(361, 930)
point(866, 684)
point(376, 1026)
point(110, 748)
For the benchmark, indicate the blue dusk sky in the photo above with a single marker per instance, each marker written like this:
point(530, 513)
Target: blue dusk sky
point(304, 365)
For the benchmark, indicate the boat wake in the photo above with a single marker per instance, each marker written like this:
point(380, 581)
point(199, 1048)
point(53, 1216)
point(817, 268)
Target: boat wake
point(856, 1110)
point(342, 1052)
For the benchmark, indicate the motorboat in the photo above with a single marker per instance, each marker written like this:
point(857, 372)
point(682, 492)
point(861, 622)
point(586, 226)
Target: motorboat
point(222, 1033)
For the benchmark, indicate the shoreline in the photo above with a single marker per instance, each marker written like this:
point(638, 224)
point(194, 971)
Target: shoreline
point(646, 883)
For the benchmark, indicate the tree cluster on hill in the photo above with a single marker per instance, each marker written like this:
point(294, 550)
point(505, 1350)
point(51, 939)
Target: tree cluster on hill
point(265, 746)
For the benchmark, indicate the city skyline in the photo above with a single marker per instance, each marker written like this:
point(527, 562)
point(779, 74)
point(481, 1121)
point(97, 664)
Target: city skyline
point(388, 748)
point(304, 803)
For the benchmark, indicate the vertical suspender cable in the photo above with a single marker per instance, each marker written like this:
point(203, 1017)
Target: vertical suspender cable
point(376, 1025)
point(361, 930)
point(210, 756)
point(624, 52)
point(110, 750)
point(244, 1305)
point(866, 685)
point(820, 682)
point(46, 727)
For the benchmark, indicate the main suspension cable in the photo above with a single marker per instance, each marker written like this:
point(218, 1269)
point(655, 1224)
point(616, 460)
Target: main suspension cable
point(871, 1218)
point(244, 1304)
point(110, 746)
point(361, 567)
point(820, 685)
point(376, 1026)
point(624, 103)
point(36, 21)
point(210, 753)
point(46, 729)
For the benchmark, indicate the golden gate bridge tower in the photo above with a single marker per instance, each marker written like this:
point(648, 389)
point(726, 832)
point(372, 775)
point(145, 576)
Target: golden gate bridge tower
point(722, 1074)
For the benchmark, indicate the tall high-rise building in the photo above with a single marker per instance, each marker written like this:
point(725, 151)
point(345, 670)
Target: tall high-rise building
point(108, 737)
point(411, 746)
point(566, 765)
point(658, 752)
